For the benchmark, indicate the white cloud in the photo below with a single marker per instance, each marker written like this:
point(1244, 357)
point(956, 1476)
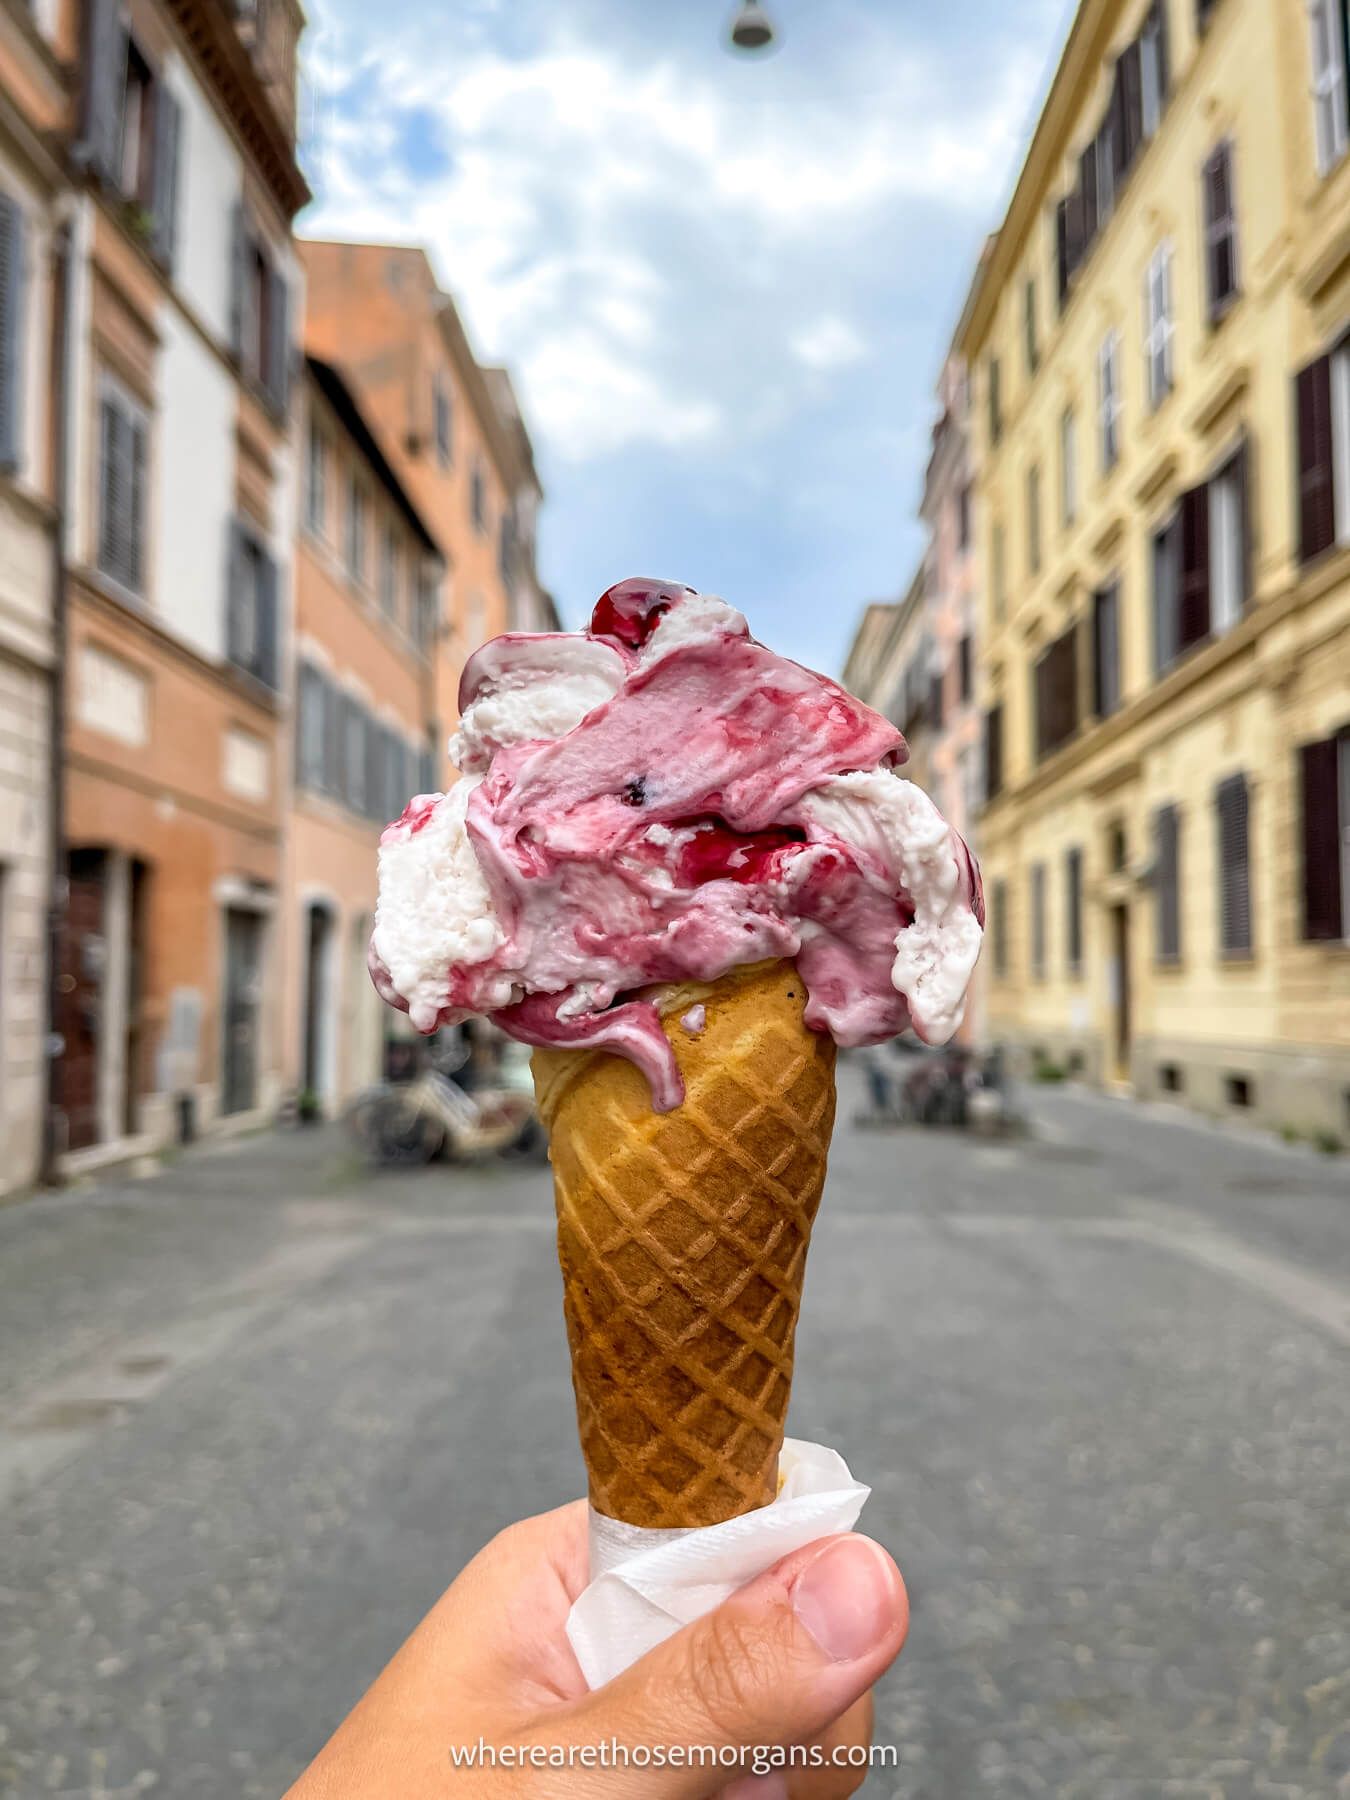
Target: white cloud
point(642, 243)
point(828, 344)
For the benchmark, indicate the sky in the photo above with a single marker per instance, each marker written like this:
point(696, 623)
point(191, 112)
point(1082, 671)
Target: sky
point(723, 284)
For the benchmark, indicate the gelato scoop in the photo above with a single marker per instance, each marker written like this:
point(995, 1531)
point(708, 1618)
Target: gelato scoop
point(658, 799)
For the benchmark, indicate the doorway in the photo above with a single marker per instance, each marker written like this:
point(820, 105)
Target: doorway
point(318, 1015)
point(243, 992)
point(1120, 990)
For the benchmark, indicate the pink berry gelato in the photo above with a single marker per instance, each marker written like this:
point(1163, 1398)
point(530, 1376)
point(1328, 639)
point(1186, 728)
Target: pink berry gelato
point(658, 799)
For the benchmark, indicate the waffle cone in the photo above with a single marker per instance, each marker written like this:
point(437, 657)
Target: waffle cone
point(682, 1238)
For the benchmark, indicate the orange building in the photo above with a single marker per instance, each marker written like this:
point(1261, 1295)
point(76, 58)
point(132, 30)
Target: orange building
point(455, 434)
point(177, 535)
point(368, 578)
point(32, 251)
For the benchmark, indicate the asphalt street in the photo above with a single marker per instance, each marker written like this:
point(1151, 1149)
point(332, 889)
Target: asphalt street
point(258, 1411)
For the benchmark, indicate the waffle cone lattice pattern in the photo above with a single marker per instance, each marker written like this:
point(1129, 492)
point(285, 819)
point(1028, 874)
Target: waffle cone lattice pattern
point(682, 1238)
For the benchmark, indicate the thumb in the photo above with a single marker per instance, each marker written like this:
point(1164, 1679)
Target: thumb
point(773, 1665)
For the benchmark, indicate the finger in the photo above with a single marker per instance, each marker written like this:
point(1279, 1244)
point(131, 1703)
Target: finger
point(777, 1663)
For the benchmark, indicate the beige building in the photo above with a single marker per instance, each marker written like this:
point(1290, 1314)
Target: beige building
point(1161, 373)
point(368, 581)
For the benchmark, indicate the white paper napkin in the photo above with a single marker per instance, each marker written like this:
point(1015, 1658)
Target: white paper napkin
point(646, 1584)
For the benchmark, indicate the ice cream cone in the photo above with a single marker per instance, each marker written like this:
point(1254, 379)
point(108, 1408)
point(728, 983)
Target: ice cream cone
point(682, 1238)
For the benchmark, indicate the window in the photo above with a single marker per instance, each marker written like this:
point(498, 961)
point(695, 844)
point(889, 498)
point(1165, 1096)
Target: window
point(1038, 921)
point(1228, 543)
point(1153, 68)
point(259, 312)
point(475, 618)
point(995, 403)
point(356, 529)
point(1056, 693)
point(993, 752)
point(935, 700)
point(309, 727)
point(965, 662)
point(426, 606)
point(11, 335)
point(1158, 325)
point(1221, 279)
point(1029, 324)
point(1108, 400)
point(999, 926)
point(316, 479)
point(963, 506)
point(998, 570)
point(1073, 910)
point(1330, 28)
point(1324, 772)
point(478, 499)
point(1034, 519)
point(1167, 885)
point(968, 777)
point(251, 617)
point(1200, 563)
point(123, 431)
point(440, 406)
point(1133, 112)
point(1322, 401)
point(135, 174)
point(1068, 467)
point(355, 726)
point(506, 548)
point(1235, 900)
point(1106, 650)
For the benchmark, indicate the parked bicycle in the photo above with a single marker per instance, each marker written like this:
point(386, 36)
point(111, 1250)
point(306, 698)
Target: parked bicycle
point(402, 1124)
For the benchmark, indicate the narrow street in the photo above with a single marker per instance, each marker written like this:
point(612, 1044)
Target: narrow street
point(260, 1409)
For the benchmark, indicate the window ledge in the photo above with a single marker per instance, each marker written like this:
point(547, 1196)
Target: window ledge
point(1230, 386)
point(1237, 959)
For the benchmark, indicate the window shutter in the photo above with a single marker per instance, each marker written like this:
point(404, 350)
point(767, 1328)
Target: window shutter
point(1193, 602)
point(331, 773)
point(239, 244)
point(1073, 909)
point(268, 631)
point(1235, 903)
point(136, 506)
point(1158, 19)
point(374, 807)
point(1000, 926)
point(993, 752)
point(1167, 890)
point(11, 304)
point(1316, 494)
point(168, 131)
point(278, 376)
point(105, 62)
point(1106, 650)
point(1087, 187)
point(1063, 268)
point(1132, 100)
point(1323, 901)
point(1038, 920)
point(110, 486)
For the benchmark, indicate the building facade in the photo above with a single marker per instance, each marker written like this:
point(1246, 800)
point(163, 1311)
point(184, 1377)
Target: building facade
point(177, 533)
point(32, 109)
point(913, 659)
point(1161, 399)
point(368, 575)
point(454, 433)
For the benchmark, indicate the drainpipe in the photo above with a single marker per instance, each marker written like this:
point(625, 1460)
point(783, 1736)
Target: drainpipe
point(56, 762)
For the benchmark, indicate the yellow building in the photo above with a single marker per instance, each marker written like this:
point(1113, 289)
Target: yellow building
point(1158, 341)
